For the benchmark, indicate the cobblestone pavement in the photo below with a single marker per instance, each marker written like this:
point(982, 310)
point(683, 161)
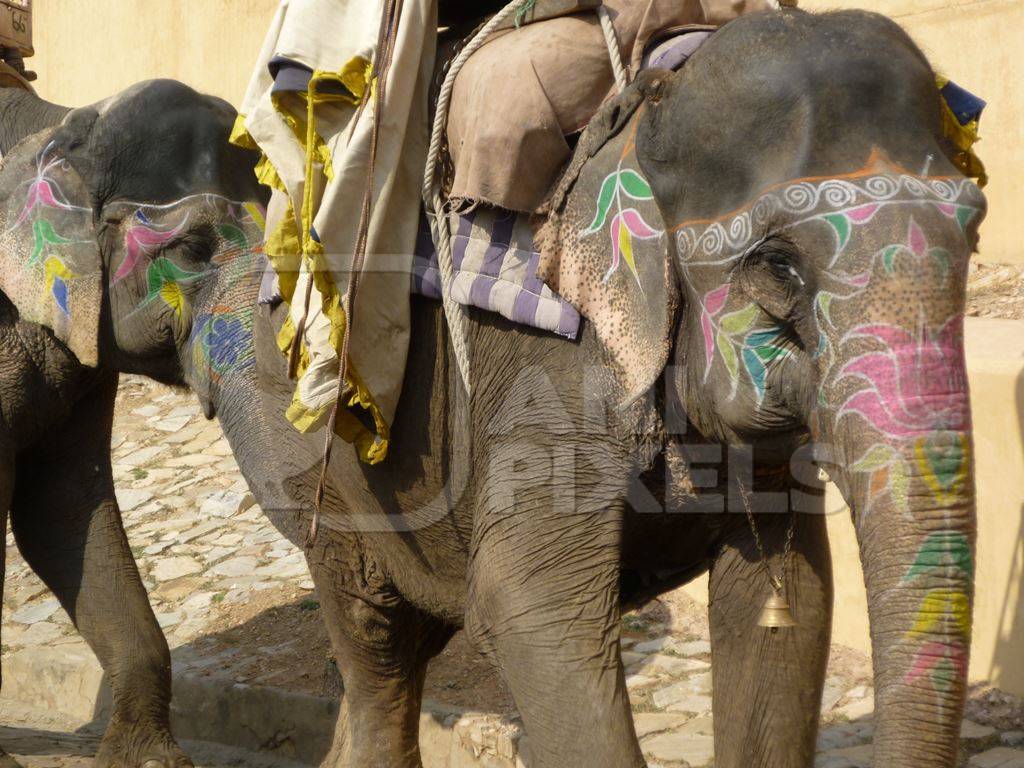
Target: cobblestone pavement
point(41, 739)
point(235, 600)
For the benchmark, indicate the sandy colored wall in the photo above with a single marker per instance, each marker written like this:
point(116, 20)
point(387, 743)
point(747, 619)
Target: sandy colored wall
point(995, 351)
point(86, 51)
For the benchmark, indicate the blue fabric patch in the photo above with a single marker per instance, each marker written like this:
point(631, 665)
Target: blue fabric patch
point(965, 105)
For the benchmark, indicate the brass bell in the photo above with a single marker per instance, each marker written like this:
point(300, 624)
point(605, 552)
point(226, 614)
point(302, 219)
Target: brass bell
point(776, 613)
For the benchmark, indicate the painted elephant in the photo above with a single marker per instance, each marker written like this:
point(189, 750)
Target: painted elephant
point(58, 375)
point(770, 247)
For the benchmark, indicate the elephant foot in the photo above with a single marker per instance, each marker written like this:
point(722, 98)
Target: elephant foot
point(139, 746)
point(6, 761)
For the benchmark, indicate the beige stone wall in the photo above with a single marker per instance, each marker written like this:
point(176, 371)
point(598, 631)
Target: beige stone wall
point(86, 51)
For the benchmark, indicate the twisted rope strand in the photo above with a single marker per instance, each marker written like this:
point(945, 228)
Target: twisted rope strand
point(614, 52)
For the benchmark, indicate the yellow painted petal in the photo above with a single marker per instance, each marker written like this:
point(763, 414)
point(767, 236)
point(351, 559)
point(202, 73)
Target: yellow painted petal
point(175, 299)
point(939, 608)
point(626, 247)
point(54, 267)
point(950, 492)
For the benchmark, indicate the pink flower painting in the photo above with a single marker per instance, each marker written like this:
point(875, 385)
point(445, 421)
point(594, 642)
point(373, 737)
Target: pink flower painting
point(915, 385)
point(143, 239)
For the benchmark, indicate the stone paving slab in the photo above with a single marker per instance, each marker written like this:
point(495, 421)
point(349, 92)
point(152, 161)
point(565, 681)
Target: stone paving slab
point(42, 739)
point(204, 548)
point(1000, 757)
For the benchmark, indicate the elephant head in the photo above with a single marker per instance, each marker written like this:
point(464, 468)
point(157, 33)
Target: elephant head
point(116, 219)
point(781, 224)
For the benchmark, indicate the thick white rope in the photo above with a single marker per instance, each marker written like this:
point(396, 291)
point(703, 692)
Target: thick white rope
point(454, 312)
point(433, 201)
point(614, 53)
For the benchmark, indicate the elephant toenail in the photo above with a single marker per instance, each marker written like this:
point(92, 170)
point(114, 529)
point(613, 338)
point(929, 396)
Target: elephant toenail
point(154, 764)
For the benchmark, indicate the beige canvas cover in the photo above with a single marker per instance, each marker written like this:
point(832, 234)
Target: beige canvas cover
point(316, 147)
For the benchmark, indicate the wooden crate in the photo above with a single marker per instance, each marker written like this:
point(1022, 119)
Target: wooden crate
point(16, 25)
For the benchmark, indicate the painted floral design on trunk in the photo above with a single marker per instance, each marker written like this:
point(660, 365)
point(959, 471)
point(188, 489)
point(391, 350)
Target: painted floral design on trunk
point(222, 341)
point(916, 400)
point(915, 384)
point(942, 625)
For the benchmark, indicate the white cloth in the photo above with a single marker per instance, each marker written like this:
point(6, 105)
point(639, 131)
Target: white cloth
point(339, 37)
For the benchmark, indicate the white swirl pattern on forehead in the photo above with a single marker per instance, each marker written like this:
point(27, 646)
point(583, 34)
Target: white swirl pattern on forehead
point(719, 242)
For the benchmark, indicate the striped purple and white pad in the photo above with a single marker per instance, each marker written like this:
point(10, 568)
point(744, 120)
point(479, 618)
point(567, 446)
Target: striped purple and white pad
point(495, 270)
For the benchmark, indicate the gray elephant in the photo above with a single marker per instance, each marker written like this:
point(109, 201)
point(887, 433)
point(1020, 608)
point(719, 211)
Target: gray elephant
point(58, 379)
point(770, 247)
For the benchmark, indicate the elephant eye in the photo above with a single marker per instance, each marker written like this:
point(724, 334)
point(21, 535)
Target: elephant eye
point(770, 275)
point(196, 245)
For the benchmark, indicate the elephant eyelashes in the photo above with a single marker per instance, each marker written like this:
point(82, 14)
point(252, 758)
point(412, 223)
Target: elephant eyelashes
point(769, 277)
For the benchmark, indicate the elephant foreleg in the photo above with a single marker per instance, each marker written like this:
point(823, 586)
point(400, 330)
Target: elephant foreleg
point(768, 683)
point(68, 528)
point(6, 491)
point(382, 646)
point(543, 604)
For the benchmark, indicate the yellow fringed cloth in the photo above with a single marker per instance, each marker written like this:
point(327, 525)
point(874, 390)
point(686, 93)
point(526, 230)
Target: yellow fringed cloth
point(309, 111)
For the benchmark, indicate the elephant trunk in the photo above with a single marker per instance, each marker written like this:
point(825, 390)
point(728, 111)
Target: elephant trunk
point(918, 569)
point(903, 458)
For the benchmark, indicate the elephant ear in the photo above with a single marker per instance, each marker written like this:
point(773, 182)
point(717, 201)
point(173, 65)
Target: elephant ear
point(50, 266)
point(604, 247)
